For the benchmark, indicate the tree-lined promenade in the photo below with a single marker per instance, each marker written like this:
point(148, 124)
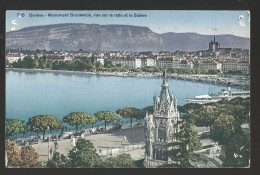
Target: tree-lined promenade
point(42, 123)
point(43, 63)
point(224, 118)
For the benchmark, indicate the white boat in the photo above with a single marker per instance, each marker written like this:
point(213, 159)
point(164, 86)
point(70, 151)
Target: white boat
point(222, 95)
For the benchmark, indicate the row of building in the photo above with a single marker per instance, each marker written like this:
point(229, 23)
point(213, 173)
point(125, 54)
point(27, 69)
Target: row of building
point(213, 58)
point(225, 64)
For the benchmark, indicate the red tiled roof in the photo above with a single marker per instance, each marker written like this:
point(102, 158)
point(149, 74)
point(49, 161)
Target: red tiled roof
point(55, 57)
point(13, 55)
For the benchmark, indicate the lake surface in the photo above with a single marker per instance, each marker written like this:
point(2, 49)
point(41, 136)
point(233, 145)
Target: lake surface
point(30, 93)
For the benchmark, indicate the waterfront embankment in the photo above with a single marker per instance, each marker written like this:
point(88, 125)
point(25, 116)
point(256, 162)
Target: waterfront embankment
point(238, 81)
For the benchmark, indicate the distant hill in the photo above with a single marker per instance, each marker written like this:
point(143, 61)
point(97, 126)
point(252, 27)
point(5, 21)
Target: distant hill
point(75, 36)
point(194, 41)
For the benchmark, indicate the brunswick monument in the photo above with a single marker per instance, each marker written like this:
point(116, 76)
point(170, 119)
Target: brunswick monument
point(160, 127)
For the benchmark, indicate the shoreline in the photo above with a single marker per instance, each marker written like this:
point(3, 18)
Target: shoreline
point(200, 78)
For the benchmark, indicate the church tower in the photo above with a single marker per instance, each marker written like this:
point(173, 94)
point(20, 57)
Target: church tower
point(160, 127)
point(213, 45)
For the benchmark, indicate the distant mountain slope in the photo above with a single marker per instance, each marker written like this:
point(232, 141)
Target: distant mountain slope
point(75, 36)
point(194, 41)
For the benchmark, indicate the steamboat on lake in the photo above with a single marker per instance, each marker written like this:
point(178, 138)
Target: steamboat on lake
point(222, 95)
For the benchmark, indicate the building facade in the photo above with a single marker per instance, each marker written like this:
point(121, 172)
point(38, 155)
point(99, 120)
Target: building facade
point(236, 64)
point(14, 57)
point(131, 63)
point(148, 62)
point(160, 128)
point(209, 64)
point(168, 63)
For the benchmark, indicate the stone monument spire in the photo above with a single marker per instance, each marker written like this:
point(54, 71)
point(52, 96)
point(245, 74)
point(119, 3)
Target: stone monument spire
point(160, 127)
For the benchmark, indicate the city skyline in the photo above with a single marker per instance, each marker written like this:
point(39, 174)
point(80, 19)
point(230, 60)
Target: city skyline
point(179, 21)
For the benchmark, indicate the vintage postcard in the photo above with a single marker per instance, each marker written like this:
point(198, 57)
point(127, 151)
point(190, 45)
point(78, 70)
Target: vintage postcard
point(127, 89)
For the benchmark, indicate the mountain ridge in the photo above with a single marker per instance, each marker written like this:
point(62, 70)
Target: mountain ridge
point(113, 37)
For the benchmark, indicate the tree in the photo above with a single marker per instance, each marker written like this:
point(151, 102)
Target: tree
point(79, 118)
point(131, 113)
point(99, 66)
point(42, 64)
point(13, 154)
point(14, 126)
point(120, 161)
point(89, 65)
point(84, 155)
point(35, 63)
point(238, 111)
point(107, 116)
point(58, 161)
point(49, 64)
point(205, 116)
point(224, 127)
point(149, 109)
point(7, 64)
point(189, 106)
point(40, 123)
point(237, 151)
point(29, 157)
point(187, 143)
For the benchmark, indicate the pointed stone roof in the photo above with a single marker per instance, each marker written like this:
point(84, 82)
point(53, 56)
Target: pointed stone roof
point(165, 94)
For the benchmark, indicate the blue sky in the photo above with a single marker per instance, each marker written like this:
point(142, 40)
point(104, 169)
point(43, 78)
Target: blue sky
point(179, 21)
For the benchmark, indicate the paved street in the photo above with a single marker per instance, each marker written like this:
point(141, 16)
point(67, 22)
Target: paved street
point(105, 140)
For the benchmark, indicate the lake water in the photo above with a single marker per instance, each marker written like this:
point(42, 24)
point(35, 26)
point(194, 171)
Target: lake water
point(30, 93)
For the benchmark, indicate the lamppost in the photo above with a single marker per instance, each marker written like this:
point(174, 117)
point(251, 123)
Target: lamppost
point(48, 144)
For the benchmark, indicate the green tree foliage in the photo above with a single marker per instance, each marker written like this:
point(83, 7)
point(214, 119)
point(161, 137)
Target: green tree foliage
point(238, 107)
point(237, 150)
point(131, 113)
point(89, 66)
point(99, 66)
point(42, 64)
point(224, 127)
point(188, 107)
point(29, 157)
point(107, 117)
point(58, 161)
point(40, 123)
point(205, 116)
point(79, 66)
point(79, 118)
point(235, 72)
point(238, 111)
point(49, 64)
point(120, 161)
point(193, 71)
point(34, 64)
point(149, 109)
point(150, 69)
point(7, 64)
point(187, 143)
point(14, 126)
point(108, 64)
point(84, 155)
